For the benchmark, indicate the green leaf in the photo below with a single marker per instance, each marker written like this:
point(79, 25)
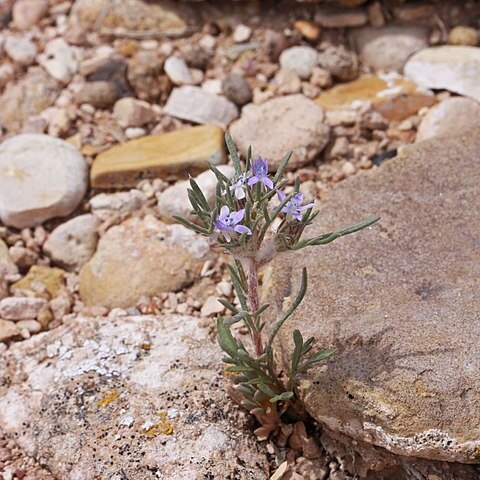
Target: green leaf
point(199, 194)
point(317, 357)
point(191, 225)
point(297, 353)
point(219, 174)
point(291, 309)
point(233, 153)
point(249, 158)
point(228, 305)
point(281, 168)
point(266, 390)
point(247, 404)
point(236, 318)
point(237, 285)
point(283, 397)
point(225, 338)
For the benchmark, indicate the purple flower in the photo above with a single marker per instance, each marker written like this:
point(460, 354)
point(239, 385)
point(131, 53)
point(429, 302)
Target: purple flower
point(260, 173)
point(294, 205)
point(228, 223)
point(238, 188)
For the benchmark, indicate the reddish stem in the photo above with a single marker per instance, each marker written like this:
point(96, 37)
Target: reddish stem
point(254, 304)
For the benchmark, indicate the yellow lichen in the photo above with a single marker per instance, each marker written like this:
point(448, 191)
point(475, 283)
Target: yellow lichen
point(146, 346)
point(163, 427)
point(108, 398)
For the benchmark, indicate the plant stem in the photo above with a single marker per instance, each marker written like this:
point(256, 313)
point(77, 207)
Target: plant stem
point(254, 304)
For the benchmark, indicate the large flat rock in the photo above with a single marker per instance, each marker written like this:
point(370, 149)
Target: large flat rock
point(141, 398)
point(400, 303)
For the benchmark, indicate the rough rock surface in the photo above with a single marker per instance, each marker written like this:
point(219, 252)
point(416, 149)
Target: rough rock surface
point(167, 155)
point(399, 302)
point(281, 125)
point(126, 397)
point(41, 178)
point(450, 67)
point(141, 257)
point(453, 115)
point(27, 97)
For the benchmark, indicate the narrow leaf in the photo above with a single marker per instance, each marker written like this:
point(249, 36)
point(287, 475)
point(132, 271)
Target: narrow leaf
point(233, 153)
point(297, 353)
point(225, 338)
point(283, 397)
point(191, 225)
point(281, 167)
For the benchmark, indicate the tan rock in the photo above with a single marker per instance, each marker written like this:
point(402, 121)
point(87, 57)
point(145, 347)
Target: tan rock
point(463, 36)
point(170, 154)
point(131, 112)
point(308, 30)
point(452, 116)
point(405, 323)
point(336, 17)
point(141, 257)
point(396, 98)
point(8, 330)
point(45, 282)
point(21, 308)
point(26, 13)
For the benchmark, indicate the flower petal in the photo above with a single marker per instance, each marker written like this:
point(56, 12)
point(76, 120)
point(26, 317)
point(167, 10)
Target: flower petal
point(306, 207)
point(253, 180)
point(239, 193)
point(281, 196)
point(238, 216)
point(267, 182)
point(243, 229)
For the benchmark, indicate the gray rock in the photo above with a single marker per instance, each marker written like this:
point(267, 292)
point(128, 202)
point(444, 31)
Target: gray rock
point(100, 94)
point(335, 17)
point(282, 124)
point(389, 47)
point(43, 178)
point(399, 302)
point(27, 97)
point(156, 382)
point(174, 200)
point(141, 257)
point(237, 89)
point(20, 50)
point(130, 112)
point(177, 71)
point(454, 68)
point(342, 64)
point(73, 243)
point(21, 308)
point(301, 60)
point(199, 106)
point(453, 115)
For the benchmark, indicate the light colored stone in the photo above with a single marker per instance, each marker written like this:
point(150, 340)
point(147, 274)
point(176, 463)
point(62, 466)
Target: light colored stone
point(344, 118)
point(141, 257)
point(100, 94)
point(308, 30)
point(73, 243)
point(156, 382)
point(211, 307)
point(404, 325)
point(20, 50)
point(341, 63)
point(395, 97)
point(177, 70)
point(301, 60)
point(42, 178)
point(119, 202)
point(337, 17)
point(26, 13)
point(195, 104)
point(20, 308)
point(7, 73)
point(375, 14)
point(463, 36)
point(130, 112)
point(59, 123)
point(287, 82)
point(129, 16)
point(280, 125)
point(167, 155)
point(8, 330)
point(7, 269)
point(58, 60)
point(174, 200)
point(31, 326)
point(389, 47)
point(43, 282)
point(26, 98)
point(453, 68)
point(242, 33)
point(452, 116)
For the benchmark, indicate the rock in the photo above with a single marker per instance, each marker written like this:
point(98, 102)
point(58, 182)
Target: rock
point(58, 60)
point(280, 125)
point(31, 326)
point(100, 94)
point(307, 30)
point(242, 33)
point(342, 64)
point(389, 47)
point(128, 16)
point(199, 106)
point(167, 155)
point(211, 307)
point(375, 14)
point(287, 82)
point(7, 268)
point(463, 36)
point(20, 50)
point(174, 200)
point(44, 282)
point(35, 188)
point(119, 202)
point(26, 13)
point(395, 97)
point(7, 73)
point(155, 381)
point(336, 17)
point(73, 243)
point(237, 89)
point(452, 116)
point(141, 257)
point(177, 71)
point(130, 112)
point(301, 60)
point(114, 71)
point(21, 308)
point(8, 330)
point(453, 68)
point(23, 257)
point(398, 378)
point(321, 78)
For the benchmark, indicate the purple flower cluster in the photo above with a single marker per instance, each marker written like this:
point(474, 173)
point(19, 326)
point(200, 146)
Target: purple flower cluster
point(260, 173)
point(228, 224)
point(294, 205)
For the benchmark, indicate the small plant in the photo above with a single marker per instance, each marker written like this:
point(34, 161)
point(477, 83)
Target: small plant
point(245, 222)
